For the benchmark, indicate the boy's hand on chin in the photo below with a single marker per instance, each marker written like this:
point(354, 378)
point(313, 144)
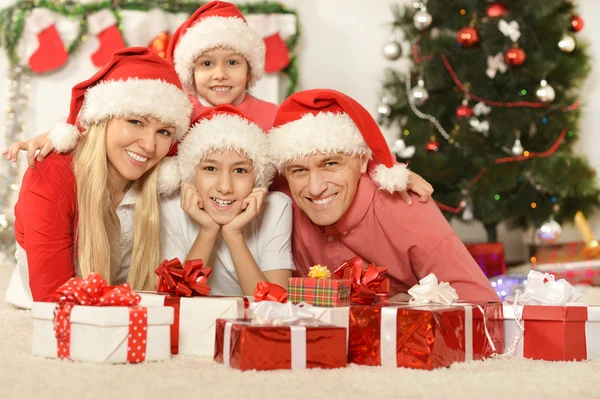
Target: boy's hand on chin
point(251, 207)
point(192, 204)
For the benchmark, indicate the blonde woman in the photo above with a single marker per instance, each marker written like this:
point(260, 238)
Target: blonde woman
point(97, 209)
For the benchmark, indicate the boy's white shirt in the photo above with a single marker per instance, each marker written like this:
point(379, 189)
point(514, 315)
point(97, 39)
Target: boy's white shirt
point(268, 236)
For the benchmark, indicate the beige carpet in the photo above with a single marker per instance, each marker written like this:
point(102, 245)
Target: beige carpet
point(25, 376)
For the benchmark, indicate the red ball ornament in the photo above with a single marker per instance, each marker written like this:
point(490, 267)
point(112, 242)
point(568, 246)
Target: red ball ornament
point(576, 23)
point(467, 36)
point(433, 146)
point(515, 56)
point(464, 111)
point(496, 10)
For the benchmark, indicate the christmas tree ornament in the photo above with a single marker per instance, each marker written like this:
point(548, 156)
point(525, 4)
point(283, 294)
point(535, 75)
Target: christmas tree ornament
point(433, 145)
point(482, 127)
point(51, 53)
point(510, 29)
point(549, 231)
point(422, 19)
point(481, 109)
point(467, 213)
point(495, 64)
point(418, 93)
point(467, 36)
point(383, 110)
point(517, 148)
point(392, 50)
point(515, 56)
point(402, 150)
point(496, 10)
point(160, 44)
point(567, 43)
point(545, 93)
point(576, 23)
point(464, 110)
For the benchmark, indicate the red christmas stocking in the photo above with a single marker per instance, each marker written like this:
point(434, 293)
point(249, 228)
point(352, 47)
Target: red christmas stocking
point(277, 55)
point(51, 53)
point(103, 24)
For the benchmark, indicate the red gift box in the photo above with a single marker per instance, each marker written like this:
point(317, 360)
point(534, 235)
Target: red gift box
point(569, 262)
point(490, 257)
point(244, 345)
point(423, 337)
point(561, 333)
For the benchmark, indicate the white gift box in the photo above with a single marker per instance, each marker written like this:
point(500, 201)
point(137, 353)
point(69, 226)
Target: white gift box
point(100, 333)
point(197, 319)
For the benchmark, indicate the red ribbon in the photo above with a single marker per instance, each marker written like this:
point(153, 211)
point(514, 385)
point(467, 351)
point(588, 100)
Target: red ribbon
point(191, 279)
point(94, 291)
point(266, 291)
point(367, 285)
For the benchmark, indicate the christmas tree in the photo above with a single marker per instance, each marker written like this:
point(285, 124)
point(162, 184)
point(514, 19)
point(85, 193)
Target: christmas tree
point(490, 105)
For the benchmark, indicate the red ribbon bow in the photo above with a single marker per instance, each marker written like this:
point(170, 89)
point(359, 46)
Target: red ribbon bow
point(93, 291)
point(266, 291)
point(191, 279)
point(367, 285)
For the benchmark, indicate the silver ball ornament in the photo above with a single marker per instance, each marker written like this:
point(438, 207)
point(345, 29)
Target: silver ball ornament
point(567, 43)
point(549, 231)
point(392, 50)
point(419, 94)
point(545, 93)
point(422, 19)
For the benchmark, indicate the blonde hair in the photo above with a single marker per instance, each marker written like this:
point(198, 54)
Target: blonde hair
point(98, 227)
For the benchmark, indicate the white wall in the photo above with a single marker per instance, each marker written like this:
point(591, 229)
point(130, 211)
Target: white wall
point(341, 49)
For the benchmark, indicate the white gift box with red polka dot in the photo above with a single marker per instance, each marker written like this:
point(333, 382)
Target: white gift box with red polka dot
point(101, 333)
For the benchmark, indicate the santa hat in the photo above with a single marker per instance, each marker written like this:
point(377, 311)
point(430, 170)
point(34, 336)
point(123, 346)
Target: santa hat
point(215, 24)
point(327, 121)
point(221, 128)
point(136, 81)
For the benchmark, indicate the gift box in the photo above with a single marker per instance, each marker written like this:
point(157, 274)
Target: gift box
point(568, 261)
point(193, 332)
point(243, 344)
point(570, 332)
point(319, 292)
point(425, 336)
point(489, 256)
point(109, 334)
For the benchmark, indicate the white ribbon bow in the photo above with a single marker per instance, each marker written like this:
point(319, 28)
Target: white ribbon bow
point(402, 150)
point(510, 29)
point(495, 64)
point(543, 289)
point(430, 291)
point(277, 314)
point(481, 109)
point(479, 126)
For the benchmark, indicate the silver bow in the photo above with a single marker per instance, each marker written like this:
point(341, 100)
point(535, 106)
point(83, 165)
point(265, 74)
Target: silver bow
point(510, 29)
point(495, 64)
point(429, 291)
point(481, 109)
point(402, 150)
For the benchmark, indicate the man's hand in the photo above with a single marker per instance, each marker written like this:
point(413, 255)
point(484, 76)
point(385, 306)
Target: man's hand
point(192, 204)
point(40, 142)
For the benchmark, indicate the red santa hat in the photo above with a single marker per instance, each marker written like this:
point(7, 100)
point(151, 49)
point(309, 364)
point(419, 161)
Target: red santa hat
point(215, 24)
point(327, 121)
point(220, 128)
point(136, 81)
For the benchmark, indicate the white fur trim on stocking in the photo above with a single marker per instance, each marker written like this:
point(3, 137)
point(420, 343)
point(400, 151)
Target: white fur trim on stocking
point(325, 132)
point(141, 97)
point(225, 132)
point(264, 24)
point(169, 176)
point(100, 21)
point(213, 32)
point(63, 137)
point(392, 179)
point(41, 19)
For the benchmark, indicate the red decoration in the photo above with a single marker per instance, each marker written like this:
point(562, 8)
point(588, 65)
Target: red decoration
point(515, 56)
point(464, 111)
point(266, 291)
point(110, 41)
point(160, 44)
point(489, 257)
point(51, 53)
point(496, 10)
point(277, 55)
point(191, 279)
point(433, 146)
point(467, 36)
point(576, 23)
point(367, 285)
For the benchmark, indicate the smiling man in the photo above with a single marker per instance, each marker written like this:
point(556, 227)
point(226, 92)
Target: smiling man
point(324, 143)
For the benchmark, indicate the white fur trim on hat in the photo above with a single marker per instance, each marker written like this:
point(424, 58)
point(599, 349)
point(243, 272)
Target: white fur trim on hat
point(142, 97)
point(325, 132)
point(64, 137)
point(392, 179)
point(213, 32)
point(225, 132)
point(169, 176)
